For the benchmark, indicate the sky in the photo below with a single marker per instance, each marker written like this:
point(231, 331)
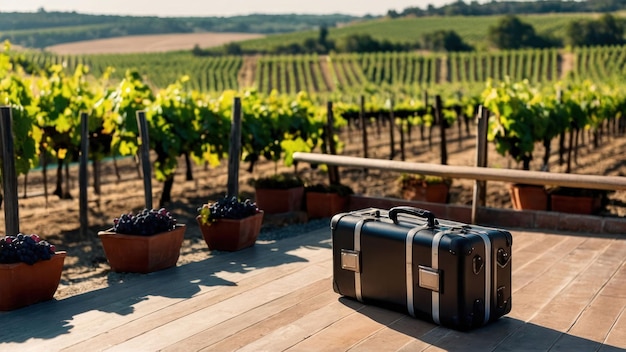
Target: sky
point(210, 8)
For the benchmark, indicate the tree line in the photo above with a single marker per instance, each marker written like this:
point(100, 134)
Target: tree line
point(474, 8)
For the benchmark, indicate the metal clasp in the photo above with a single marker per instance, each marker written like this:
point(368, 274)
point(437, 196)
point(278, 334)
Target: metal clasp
point(350, 260)
point(429, 278)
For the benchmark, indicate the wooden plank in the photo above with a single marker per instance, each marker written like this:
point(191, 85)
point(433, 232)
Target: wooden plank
point(486, 338)
point(601, 315)
point(534, 296)
point(529, 337)
point(563, 311)
point(568, 343)
point(524, 241)
point(597, 320)
point(201, 319)
point(155, 319)
point(269, 325)
point(90, 314)
point(430, 339)
point(395, 336)
point(237, 325)
point(617, 335)
point(524, 255)
point(548, 255)
point(344, 333)
point(305, 327)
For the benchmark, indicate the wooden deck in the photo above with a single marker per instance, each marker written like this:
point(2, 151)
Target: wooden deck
point(569, 294)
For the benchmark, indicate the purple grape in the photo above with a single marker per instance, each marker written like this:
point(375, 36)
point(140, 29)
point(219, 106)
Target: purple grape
point(145, 223)
point(24, 248)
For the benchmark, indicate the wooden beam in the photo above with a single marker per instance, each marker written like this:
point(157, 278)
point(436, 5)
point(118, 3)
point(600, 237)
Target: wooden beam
point(471, 172)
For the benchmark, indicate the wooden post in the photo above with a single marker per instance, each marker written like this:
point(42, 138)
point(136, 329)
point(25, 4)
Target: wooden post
point(144, 152)
point(333, 170)
point(363, 126)
point(402, 154)
point(9, 177)
point(442, 129)
point(422, 127)
point(82, 174)
point(392, 132)
point(234, 150)
point(480, 187)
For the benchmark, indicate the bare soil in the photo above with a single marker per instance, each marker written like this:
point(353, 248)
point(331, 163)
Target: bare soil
point(150, 43)
point(86, 266)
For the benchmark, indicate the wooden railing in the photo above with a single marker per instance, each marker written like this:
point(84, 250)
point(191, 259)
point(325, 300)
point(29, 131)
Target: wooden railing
point(471, 172)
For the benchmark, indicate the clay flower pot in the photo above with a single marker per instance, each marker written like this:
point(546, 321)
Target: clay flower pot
point(22, 284)
point(528, 197)
point(231, 234)
point(576, 200)
point(142, 254)
point(280, 193)
point(276, 201)
point(324, 205)
point(324, 201)
point(424, 188)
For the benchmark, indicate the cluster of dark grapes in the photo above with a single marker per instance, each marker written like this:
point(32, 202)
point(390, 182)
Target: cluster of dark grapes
point(232, 208)
point(28, 249)
point(145, 223)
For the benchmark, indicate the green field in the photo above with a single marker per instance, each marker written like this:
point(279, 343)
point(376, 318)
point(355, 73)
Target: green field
point(473, 29)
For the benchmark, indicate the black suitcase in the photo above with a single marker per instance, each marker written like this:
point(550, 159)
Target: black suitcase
point(450, 273)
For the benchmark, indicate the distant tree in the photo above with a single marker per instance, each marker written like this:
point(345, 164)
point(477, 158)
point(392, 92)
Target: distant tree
point(393, 14)
point(444, 41)
point(323, 36)
point(512, 33)
point(197, 51)
point(323, 45)
point(233, 48)
point(358, 43)
point(311, 45)
point(604, 31)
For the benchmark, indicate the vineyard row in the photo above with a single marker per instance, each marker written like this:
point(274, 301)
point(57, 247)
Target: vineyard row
point(356, 73)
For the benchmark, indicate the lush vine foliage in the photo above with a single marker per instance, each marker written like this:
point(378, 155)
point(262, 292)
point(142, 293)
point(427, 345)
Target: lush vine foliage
point(186, 122)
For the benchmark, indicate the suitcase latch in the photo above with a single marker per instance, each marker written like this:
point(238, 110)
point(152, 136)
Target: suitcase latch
point(350, 260)
point(429, 278)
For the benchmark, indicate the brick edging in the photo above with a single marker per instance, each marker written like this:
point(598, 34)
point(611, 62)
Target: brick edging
point(505, 218)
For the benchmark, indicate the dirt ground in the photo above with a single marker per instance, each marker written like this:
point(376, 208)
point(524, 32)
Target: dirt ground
point(86, 267)
point(149, 43)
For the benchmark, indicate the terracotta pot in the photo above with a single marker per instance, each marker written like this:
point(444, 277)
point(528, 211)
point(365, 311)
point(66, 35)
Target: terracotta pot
point(324, 205)
point(231, 234)
point(574, 204)
point(274, 201)
point(142, 254)
point(529, 197)
point(433, 193)
point(22, 284)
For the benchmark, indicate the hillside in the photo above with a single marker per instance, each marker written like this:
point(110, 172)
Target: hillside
point(43, 29)
point(472, 29)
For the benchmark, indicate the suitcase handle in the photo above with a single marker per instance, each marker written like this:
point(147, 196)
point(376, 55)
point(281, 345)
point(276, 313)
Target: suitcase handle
point(422, 213)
